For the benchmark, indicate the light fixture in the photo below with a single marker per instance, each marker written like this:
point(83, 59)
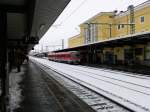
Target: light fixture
point(42, 26)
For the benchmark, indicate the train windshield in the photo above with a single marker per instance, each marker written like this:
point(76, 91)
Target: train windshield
point(76, 55)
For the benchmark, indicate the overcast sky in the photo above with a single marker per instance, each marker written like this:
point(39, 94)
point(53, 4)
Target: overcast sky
point(76, 13)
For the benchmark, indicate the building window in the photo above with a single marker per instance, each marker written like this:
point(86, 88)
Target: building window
point(86, 36)
point(122, 26)
point(93, 32)
point(142, 19)
point(119, 27)
point(138, 51)
point(147, 52)
point(90, 33)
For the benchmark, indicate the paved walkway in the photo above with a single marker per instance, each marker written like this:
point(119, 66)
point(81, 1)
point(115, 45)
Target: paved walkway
point(36, 96)
point(40, 97)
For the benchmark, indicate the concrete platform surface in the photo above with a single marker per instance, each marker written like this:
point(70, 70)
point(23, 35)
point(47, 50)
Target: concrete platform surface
point(38, 96)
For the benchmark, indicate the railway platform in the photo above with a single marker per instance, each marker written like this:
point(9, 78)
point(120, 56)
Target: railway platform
point(43, 94)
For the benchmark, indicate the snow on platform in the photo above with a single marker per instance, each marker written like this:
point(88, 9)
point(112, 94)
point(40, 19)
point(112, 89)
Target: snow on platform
point(130, 90)
point(14, 89)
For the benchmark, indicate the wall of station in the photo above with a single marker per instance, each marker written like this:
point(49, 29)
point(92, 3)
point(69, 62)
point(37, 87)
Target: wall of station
point(75, 41)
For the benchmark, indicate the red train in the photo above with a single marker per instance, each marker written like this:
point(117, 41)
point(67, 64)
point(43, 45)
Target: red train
point(72, 57)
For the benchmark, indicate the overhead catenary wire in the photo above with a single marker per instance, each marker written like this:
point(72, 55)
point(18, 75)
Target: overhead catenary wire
point(74, 11)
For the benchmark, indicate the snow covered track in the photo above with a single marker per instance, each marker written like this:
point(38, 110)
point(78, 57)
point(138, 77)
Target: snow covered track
point(129, 90)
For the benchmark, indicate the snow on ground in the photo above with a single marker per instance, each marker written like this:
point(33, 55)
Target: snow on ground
point(14, 89)
point(126, 88)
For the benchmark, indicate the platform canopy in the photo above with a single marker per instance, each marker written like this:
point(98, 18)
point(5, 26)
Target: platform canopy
point(138, 38)
point(28, 20)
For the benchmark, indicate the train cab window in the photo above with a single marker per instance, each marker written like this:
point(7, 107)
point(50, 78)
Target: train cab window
point(77, 55)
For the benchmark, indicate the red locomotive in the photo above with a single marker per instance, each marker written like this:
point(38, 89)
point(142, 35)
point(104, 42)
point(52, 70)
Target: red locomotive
point(72, 57)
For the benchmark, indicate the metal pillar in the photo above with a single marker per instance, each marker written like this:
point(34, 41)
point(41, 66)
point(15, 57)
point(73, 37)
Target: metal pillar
point(94, 54)
point(132, 26)
point(89, 52)
point(3, 60)
point(110, 30)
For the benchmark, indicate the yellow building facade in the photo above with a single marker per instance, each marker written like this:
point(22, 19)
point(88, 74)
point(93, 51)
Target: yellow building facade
point(113, 25)
point(75, 41)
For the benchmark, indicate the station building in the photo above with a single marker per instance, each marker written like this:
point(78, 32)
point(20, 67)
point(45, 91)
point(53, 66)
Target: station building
point(116, 37)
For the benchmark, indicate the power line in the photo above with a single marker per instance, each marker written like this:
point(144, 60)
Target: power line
point(74, 11)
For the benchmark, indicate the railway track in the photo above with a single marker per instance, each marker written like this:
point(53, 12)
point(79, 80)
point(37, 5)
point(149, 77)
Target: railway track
point(142, 89)
point(96, 101)
point(136, 75)
point(86, 72)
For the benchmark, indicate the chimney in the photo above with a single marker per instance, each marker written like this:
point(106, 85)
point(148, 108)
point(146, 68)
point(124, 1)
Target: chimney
point(121, 11)
point(115, 11)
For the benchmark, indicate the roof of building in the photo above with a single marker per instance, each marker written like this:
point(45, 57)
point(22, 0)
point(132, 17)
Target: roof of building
point(121, 13)
point(97, 15)
point(136, 8)
point(75, 36)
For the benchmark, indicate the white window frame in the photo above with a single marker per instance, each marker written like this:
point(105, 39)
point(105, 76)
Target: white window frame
point(86, 36)
point(93, 32)
point(141, 19)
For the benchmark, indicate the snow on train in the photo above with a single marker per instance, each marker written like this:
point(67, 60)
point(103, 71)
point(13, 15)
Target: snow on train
point(72, 57)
